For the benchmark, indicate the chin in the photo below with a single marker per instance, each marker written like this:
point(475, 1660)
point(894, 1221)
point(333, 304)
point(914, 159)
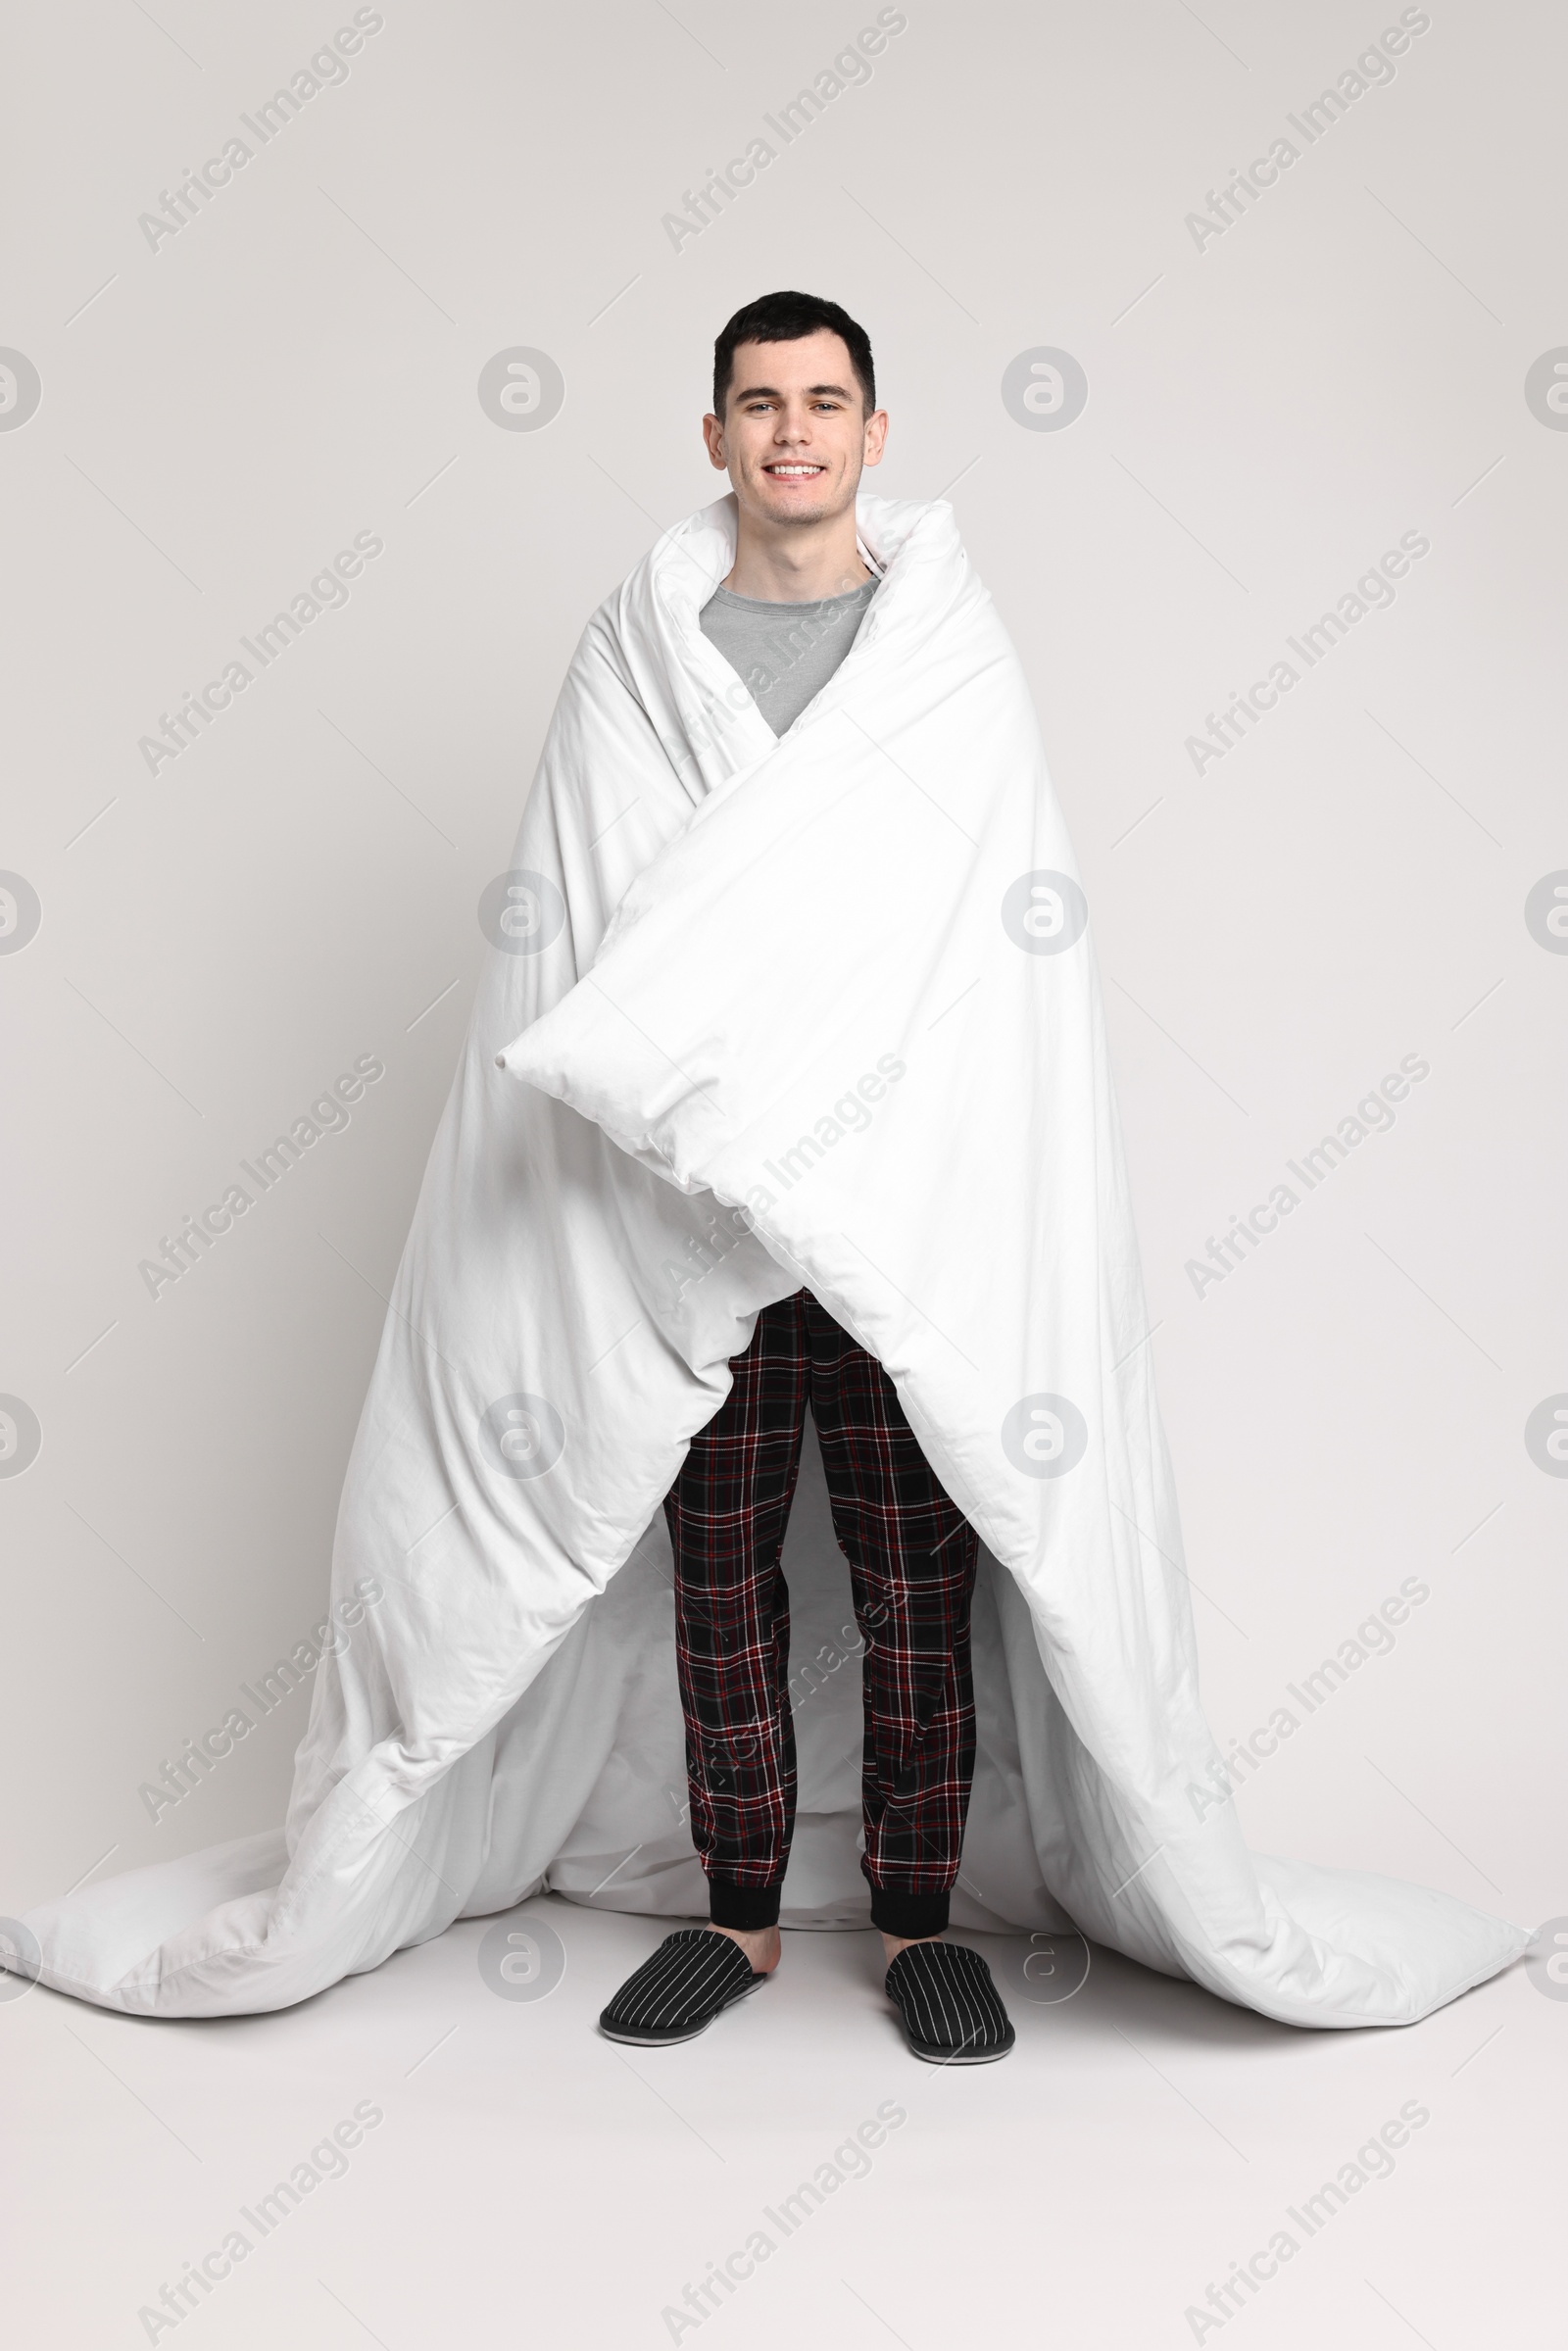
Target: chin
point(782, 508)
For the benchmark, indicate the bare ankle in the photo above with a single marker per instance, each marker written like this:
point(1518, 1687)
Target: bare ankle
point(892, 1944)
point(760, 1946)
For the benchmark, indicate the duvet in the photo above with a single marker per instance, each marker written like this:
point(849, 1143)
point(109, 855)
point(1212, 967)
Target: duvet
point(762, 1013)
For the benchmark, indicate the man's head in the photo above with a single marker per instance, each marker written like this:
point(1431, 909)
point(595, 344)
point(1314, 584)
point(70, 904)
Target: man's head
point(794, 416)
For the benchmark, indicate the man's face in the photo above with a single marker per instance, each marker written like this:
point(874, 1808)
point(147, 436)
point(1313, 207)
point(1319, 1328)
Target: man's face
point(795, 437)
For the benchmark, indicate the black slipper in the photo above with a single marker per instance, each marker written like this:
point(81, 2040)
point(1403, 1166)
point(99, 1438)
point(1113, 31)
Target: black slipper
point(678, 1990)
point(947, 2004)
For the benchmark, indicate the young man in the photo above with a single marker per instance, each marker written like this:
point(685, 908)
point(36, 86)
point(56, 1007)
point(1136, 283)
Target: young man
point(771, 1022)
point(795, 421)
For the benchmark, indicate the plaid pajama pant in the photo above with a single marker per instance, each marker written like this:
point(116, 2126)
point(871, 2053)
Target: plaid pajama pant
point(913, 1558)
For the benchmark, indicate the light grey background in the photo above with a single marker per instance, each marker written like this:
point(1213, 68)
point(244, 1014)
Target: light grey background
point(1265, 416)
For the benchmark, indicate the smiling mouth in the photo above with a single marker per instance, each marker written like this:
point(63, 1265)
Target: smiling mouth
point(793, 471)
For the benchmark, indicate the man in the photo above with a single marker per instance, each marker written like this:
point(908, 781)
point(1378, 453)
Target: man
point(771, 1022)
point(795, 421)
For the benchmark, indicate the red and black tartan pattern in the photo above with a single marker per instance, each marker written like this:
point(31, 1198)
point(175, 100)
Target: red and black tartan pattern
point(912, 1559)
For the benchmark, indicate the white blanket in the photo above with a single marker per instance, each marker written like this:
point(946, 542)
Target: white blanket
point(824, 1011)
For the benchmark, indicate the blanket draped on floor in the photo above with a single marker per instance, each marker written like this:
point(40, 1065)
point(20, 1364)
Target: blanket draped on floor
point(821, 1011)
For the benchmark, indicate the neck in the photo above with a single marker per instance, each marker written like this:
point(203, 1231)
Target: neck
point(794, 565)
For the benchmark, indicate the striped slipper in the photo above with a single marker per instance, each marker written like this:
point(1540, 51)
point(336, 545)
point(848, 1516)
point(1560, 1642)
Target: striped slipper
point(677, 1992)
point(947, 2004)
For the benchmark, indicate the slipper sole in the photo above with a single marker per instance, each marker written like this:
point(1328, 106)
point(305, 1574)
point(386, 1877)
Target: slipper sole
point(666, 2041)
point(932, 2055)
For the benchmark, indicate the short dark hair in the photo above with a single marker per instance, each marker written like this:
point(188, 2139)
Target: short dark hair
point(788, 318)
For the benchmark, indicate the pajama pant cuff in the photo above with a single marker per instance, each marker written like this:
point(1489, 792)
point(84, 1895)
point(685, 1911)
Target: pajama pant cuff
point(745, 1907)
point(912, 1915)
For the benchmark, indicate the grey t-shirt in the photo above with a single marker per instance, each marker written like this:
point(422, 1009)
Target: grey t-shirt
point(784, 653)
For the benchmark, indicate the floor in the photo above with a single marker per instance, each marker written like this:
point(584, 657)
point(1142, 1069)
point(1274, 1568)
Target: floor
point(445, 2152)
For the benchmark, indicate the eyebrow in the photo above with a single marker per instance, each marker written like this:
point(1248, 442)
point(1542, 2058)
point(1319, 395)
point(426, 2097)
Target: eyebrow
point(772, 392)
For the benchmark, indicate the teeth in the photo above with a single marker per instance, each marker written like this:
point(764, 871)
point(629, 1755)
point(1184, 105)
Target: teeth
point(794, 468)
